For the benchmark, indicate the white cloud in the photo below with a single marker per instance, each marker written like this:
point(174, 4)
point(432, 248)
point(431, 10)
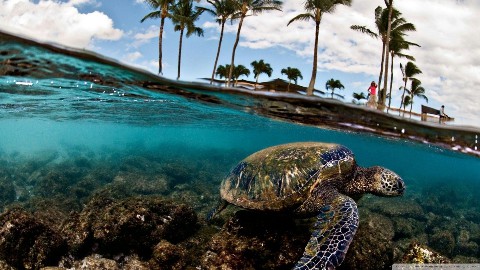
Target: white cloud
point(131, 57)
point(449, 56)
point(142, 38)
point(59, 22)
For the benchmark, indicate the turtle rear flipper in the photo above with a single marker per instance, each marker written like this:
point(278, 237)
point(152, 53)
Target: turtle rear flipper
point(221, 204)
point(333, 232)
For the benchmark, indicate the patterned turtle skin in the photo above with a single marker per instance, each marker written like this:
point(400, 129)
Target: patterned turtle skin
point(309, 179)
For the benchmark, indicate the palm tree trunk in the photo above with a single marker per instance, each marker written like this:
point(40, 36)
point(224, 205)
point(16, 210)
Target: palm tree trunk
point(411, 106)
point(403, 94)
point(160, 40)
point(256, 81)
point(288, 86)
point(180, 53)
point(234, 49)
point(218, 52)
point(391, 85)
point(314, 70)
point(381, 104)
point(381, 68)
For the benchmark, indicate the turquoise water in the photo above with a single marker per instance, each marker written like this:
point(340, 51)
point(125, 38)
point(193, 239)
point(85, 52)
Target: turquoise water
point(77, 116)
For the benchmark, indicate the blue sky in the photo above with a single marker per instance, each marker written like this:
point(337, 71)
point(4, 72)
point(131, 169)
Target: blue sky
point(449, 56)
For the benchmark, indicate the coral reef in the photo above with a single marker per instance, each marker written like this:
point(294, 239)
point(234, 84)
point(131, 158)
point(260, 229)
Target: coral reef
point(128, 226)
point(141, 210)
point(372, 247)
point(252, 240)
point(26, 243)
point(417, 253)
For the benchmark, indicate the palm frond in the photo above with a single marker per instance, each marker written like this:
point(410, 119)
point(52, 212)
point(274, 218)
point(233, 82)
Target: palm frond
point(424, 97)
point(401, 55)
point(365, 30)
point(404, 27)
point(154, 4)
point(207, 10)
point(195, 30)
point(302, 17)
point(151, 15)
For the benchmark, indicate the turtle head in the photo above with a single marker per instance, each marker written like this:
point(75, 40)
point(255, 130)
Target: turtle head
point(384, 182)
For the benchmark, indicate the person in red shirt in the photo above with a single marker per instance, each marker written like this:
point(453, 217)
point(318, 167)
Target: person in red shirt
point(372, 95)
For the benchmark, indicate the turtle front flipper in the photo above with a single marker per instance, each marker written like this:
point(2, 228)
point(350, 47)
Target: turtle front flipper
point(333, 232)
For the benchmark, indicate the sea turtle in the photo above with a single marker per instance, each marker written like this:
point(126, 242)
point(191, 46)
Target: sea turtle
point(309, 179)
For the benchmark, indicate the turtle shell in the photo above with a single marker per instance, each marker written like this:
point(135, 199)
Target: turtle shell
point(283, 176)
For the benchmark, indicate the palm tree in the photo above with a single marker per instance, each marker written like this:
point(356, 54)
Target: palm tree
point(381, 19)
point(222, 72)
point(416, 90)
point(292, 74)
point(389, 4)
point(397, 45)
point(238, 71)
point(315, 9)
point(398, 28)
point(222, 10)
point(406, 101)
point(254, 7)
point(259, 68)
point(161, 8)
point(409, 72)
point(333, 84)
point(184, 17)
point(358, 96)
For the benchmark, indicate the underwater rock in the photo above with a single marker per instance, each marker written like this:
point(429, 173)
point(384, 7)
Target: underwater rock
point(128, 226)
point(467, 248)
point(407, 227)
point(179, 173)
point(394, 207)
point(466, 235)
point(443, 241)
point(133, 263)
point(7, 191)
point(252, 240)
point(4, 266)
point(50, 211)
point(200, 202)
point(136, 164)
point(96, 262)
point(168, 256)
point(464, 259)
point(27, 243)
point(417, 253)
point(372, 247)
point(444, 199)
point(141, 184)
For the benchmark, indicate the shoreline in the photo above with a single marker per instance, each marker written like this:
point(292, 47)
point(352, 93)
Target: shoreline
point(334, 114)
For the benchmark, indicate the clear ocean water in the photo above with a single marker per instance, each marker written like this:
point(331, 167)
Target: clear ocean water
point(61, 112)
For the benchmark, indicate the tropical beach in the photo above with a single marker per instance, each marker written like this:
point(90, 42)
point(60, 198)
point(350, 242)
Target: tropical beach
point(105, 165)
